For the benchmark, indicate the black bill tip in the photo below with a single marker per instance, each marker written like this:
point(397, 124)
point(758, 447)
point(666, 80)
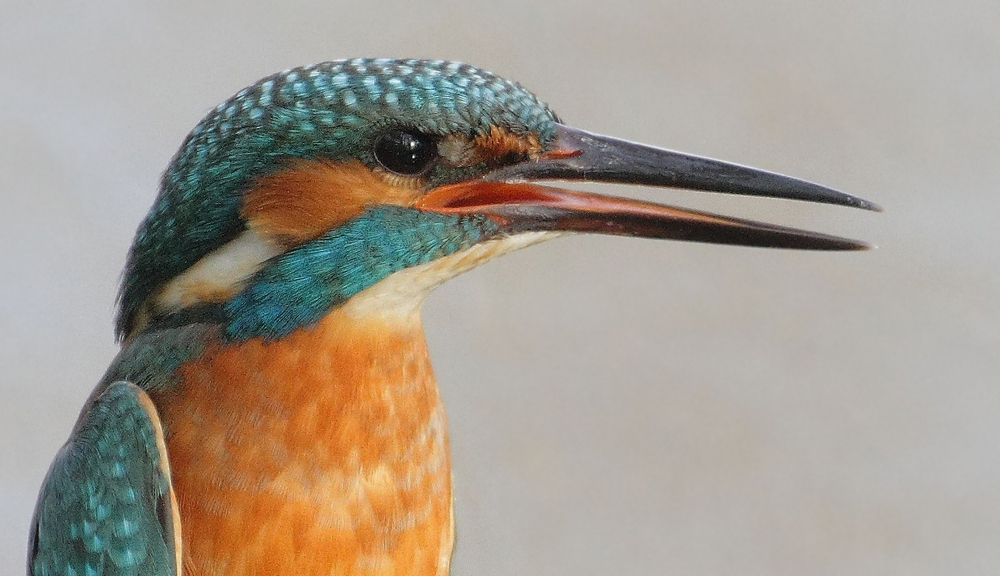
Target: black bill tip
point(584, 156)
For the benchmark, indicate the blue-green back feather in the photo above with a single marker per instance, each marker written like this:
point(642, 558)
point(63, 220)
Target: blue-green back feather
point(105, 506)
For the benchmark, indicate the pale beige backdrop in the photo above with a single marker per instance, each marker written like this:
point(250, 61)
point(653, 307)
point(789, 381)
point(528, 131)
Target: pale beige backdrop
point(617, 406)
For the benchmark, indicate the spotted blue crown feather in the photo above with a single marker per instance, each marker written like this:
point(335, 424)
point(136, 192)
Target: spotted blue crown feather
point(330, 111)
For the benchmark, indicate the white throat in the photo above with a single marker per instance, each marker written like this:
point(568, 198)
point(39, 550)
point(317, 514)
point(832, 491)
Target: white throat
point(400, 296)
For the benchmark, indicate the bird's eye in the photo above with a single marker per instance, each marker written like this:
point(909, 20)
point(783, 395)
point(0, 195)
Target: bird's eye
point(405, 152)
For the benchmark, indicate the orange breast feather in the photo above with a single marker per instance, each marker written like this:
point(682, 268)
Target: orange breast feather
point(323, 453)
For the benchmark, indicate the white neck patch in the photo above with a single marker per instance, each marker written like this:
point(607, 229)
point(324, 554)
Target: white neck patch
point(400, 296)
point(218, 276)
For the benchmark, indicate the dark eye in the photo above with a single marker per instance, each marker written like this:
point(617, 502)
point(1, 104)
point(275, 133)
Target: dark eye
point(405, 152)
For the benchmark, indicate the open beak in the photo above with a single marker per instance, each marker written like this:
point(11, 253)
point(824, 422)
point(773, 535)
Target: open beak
point(509, 195)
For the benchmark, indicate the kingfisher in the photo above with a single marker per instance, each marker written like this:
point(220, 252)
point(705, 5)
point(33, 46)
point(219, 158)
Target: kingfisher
point(272, 409)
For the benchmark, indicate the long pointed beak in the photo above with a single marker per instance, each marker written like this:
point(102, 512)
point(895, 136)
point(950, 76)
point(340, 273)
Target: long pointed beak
point(508, 194)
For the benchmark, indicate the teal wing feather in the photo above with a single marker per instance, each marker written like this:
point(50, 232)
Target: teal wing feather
point(107, 507)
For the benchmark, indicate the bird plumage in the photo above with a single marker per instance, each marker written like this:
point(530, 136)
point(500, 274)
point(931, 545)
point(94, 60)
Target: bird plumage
point(273, 409)
point(329, 112)
point(324, 452)
point(108, 506)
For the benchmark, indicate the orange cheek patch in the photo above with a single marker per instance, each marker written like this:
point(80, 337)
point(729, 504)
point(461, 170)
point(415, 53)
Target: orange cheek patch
point(308, 198)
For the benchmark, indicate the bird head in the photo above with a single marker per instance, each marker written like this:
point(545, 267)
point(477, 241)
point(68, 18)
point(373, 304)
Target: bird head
point(318, 183)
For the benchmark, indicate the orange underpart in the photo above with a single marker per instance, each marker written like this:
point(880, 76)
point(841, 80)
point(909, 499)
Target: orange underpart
point(322, 453)
point(310, 197)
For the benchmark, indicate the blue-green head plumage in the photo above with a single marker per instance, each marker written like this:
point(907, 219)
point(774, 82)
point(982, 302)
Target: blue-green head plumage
point(326, 112)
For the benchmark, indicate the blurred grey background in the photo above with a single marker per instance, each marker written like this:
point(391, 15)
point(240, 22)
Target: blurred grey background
point(617, 406)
